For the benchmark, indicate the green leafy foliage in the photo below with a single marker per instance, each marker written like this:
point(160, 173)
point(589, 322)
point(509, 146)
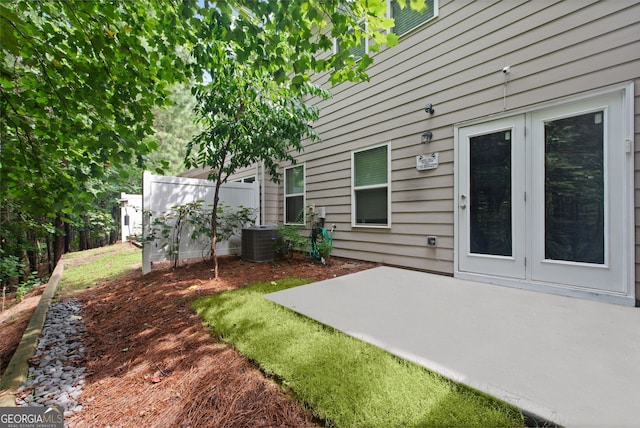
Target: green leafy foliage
point(291, 238)
point(173, 127)
point(248, 117)
point(81, 83)
point(78, 81)
point(27, 285)
point(295, 237)
point(231, 221)
point(11, 268)
point(169, 227)
point(78, 89)
point(321, 244)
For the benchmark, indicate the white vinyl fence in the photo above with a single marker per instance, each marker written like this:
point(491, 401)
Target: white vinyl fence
point(161, 193)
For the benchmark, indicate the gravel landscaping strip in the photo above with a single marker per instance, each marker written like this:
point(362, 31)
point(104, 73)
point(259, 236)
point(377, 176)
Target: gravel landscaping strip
point(56, 372)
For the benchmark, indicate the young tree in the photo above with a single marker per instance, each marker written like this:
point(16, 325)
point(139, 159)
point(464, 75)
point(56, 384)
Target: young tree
point(247, 117)
point(258, 69)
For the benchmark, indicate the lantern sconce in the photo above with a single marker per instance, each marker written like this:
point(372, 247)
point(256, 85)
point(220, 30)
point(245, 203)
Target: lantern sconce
point(426, 137)
point(429, 109)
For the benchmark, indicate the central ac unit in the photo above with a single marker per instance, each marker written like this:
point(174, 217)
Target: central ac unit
point(258, 243)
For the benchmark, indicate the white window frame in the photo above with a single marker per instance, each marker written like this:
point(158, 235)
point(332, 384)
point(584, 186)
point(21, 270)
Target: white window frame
point(422, 24)
point(376, 186)
point(303, 194)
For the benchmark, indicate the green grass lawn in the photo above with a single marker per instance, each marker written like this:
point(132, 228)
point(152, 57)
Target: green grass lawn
point(97, 264)
point(347, 382)
point(100, 251)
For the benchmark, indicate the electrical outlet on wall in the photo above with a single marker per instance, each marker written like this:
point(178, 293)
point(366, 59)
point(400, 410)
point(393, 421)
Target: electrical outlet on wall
point(432, 241)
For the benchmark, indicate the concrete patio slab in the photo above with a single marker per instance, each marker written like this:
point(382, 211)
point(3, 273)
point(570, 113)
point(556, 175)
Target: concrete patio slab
point(571, 361)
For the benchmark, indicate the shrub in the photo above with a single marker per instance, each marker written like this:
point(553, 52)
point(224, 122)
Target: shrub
point(11, 268)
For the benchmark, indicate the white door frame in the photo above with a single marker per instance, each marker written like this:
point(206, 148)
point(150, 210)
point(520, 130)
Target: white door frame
point(625, 263)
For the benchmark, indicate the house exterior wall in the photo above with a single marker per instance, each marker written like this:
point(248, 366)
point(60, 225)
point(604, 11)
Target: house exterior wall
point(555, 49)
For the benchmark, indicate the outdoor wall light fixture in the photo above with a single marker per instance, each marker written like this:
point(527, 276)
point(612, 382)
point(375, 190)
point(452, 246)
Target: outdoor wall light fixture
point(426, 137)
point(429, 109)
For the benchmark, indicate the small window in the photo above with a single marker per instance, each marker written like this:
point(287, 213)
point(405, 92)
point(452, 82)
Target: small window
point(406, 19)
point(250, 179)
point(294, 195)
point(359, 50)
point(370, 204)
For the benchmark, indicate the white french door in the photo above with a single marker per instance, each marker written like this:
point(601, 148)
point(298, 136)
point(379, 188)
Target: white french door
point(577, 196)
point(541, 198)
point(491, 203)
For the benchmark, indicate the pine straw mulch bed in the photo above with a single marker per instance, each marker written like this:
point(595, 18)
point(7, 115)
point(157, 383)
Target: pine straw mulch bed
point(14, 320)
point(150, 361)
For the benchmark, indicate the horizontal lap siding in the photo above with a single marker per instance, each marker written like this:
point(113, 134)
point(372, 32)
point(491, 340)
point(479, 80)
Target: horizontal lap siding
point(555, 49)
point(272, 203)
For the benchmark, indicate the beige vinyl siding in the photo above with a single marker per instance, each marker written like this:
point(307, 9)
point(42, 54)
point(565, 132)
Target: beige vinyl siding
point(272, 199)
point(555, 49)
point(462, 86)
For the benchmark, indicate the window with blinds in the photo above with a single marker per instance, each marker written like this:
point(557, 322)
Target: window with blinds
point(294, 195)
point(370, 189)
point(406, 19)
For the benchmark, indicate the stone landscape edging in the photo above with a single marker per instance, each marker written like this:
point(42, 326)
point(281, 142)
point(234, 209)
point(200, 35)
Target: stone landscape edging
point(18, 368)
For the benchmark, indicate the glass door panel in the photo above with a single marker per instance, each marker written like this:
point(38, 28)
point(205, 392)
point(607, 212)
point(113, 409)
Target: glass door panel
point(574, 189)
point(490, 194)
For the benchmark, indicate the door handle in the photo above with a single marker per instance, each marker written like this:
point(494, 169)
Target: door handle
point(463, 201)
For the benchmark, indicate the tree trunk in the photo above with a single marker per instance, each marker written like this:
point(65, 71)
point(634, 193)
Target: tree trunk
point(67, 237)
point(214, 254)
point(214, 228)
point(58, 245)
point(84, 235)
point(22, 239)
point(49, 257)
point(114, 235)
point(32, 252)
